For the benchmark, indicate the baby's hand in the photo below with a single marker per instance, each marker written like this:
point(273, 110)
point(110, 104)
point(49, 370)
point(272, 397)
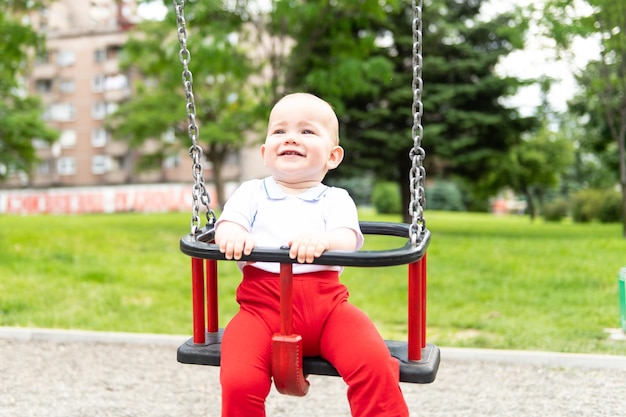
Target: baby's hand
point(233, 240)
point(305, 248)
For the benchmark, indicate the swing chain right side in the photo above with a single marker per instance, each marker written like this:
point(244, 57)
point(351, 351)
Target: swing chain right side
point(200, 194)
point(417, 173)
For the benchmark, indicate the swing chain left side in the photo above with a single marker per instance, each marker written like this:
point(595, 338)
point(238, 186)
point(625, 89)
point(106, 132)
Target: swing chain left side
point(199, 193)
point(417, 175)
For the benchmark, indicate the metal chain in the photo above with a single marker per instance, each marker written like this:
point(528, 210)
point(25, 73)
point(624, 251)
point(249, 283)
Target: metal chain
point(417, 174)
point(199, 192)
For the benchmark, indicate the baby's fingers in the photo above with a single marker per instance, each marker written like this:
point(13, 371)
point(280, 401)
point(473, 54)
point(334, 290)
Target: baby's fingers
point(307, 251)
point(237, 246)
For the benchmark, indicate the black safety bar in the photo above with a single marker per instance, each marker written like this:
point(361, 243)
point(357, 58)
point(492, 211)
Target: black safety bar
point(201, 246)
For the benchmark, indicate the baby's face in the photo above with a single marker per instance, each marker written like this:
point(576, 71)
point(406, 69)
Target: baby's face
point(302, 139)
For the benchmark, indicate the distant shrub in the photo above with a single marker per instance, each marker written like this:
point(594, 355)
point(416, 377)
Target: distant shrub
point(585, 205)
point(594, 204)
point(611, 209)
point(555, 210)
point(386, 198)
point(444, 195)
point(360, 188)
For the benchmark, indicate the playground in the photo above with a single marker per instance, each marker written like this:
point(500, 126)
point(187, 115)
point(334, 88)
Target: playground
point(97, 374)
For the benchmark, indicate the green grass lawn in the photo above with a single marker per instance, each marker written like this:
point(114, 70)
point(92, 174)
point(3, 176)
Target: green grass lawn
point(496, 282)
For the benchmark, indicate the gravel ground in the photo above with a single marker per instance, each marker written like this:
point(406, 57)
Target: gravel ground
point(45, 373)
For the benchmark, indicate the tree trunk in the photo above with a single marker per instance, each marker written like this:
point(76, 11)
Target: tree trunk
point(623, 184)
point(530, 202)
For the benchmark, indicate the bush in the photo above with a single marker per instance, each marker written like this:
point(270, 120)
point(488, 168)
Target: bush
point(444, 195)
point(611, 209)
point(555, 210)
point(360, 188)
point(593, 204)
point(386, 198)
point(585, 204)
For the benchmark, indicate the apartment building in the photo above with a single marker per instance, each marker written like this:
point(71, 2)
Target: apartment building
point(80, 82)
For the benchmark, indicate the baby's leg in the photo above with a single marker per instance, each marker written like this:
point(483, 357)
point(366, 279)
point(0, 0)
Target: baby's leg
point(245, 362)
point(351, 342)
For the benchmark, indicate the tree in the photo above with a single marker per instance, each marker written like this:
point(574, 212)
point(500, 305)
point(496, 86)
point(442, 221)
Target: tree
point(604, 80)
point(597, 159)
point(535, 164)
point(360, 61)
point(540, 161)
point(20, 115)
point(226, 109)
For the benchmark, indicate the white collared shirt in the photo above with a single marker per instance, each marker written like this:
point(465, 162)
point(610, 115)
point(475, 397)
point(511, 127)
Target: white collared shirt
point(274, 217)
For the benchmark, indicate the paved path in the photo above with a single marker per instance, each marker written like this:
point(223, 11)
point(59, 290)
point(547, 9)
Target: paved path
point(46, 373)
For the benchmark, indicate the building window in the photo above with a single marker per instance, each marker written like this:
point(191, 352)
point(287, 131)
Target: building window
point(113, 51)
point(60, 112)
point(99, 110)
point(116, 82)
point(172, 161)
point(43, 86)
point(44, 168)
point(97, 85)
point(40, 144)
point(112, 108)
point(67, 86)
point(100, 164)
point(68, 138)
point(99, 137)
point(100, 55)
point(66, 165)
point(42, 58)
point(66, 58)
point(117, 163)
point(169, 136)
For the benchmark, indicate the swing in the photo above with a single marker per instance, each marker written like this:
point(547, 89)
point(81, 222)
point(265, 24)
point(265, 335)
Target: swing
point(419, 361)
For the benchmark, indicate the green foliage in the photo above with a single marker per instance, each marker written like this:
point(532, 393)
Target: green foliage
point(226, 107)
point(444, 195)
point(386, 198)
point(555, 210)
point(602, 101)
point(534, 165)
point(595, 204)
point(465, 126)
point(20, 115)
point(611, 209)
point(585, 205)
point(359, 188)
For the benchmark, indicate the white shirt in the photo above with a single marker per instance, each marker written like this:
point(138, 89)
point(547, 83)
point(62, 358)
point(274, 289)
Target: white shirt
point(274, 217)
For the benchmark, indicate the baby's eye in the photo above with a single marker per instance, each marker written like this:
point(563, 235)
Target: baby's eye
point(278, 132)
point(308, 132)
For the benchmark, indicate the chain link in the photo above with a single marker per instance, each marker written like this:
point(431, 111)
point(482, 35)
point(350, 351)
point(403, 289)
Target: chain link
point(199, 191)
point(417, 174)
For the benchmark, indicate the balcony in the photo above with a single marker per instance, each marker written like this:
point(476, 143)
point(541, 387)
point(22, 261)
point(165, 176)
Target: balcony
point(44, 71)
point(116, 148)
point(115, 96)
point(111, 67)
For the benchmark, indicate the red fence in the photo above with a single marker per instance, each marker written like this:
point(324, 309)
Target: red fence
point(139, 198)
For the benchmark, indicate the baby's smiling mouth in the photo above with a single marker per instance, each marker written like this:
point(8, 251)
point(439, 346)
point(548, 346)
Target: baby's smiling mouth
point(290, 153)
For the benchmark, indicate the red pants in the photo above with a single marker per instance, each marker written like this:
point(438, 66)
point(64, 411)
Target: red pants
point(330, 327)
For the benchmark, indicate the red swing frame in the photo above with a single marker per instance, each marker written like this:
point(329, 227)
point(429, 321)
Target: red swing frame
point(205, 303)
point(287, 361)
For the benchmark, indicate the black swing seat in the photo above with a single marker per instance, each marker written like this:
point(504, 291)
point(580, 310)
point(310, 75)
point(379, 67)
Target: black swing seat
point(423, 371)
point(417, 372)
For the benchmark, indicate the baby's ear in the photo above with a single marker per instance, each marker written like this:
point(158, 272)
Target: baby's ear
point(335, 158)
